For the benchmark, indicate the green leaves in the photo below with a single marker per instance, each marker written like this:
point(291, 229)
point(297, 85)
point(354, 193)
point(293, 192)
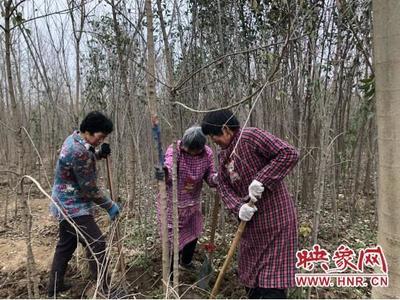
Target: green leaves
point(17, 19)
point(305, 230)
point(368, 87)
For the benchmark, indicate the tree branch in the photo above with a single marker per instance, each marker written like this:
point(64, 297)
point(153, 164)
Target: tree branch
point(247, 98)
point(182, 82)
point(65, 11)
point(16, 6)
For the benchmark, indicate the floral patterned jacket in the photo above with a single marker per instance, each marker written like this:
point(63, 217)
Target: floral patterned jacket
point(75, 187)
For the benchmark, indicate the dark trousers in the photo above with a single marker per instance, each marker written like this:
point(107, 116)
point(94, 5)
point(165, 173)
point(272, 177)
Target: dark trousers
point(265, 293)
point(185, 255)
point(67, 243)
point(187, 252)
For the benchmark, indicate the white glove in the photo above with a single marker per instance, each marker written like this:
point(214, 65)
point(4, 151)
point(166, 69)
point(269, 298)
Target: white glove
point(256, 189)
point(246, 212)
point(214, 178)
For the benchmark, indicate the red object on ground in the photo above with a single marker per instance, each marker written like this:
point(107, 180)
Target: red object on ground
point(209, 247)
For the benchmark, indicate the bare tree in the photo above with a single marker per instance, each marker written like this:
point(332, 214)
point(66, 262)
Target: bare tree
point(77, 26)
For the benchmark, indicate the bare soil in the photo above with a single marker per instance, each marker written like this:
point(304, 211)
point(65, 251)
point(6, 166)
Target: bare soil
point(144, 281)
point(144, 265)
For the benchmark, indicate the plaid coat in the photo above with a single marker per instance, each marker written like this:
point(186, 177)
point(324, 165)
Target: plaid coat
point(268, 246)
point(192, 171)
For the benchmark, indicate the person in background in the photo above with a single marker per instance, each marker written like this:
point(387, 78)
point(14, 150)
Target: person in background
point(252, 165)
point(75, 193)
point(195, 165)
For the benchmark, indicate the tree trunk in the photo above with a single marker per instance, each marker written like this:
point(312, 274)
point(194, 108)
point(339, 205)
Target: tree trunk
point(126, 99)
point(10, 85)
point(387, 70)
point(175, 215)
point(151, 95)
point(7, 13)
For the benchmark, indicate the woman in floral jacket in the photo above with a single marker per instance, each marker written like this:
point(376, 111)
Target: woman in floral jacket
point(75, 193)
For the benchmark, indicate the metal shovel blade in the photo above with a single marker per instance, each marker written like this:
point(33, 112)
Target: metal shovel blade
point(205, 274)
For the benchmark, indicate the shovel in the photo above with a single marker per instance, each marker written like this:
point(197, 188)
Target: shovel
point(206, 269)
point(229, 256)
point(121, 258)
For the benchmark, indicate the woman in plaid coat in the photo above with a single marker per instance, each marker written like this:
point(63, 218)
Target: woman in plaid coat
point(253, 164)
point(195, 165)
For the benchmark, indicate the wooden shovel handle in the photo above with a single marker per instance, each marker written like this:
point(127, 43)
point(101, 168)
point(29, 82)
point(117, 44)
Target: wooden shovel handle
point(228, 259)
point(229, 256)
point(121, 259)
point(214, 218)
